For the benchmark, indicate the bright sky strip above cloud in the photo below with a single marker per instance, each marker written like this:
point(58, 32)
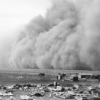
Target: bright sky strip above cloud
point(14, 13)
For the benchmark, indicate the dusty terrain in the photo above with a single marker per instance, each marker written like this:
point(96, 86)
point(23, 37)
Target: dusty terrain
point(9, 78)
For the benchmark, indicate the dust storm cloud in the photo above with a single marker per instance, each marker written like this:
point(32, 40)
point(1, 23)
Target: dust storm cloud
point(68, 37)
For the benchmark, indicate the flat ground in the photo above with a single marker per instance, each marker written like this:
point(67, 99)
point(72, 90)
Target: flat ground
point(9, 78)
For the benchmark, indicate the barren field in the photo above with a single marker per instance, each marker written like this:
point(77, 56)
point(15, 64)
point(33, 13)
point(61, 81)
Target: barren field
point(22, 77)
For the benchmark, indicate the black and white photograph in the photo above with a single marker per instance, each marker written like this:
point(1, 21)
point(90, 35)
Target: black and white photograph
point(49, 49)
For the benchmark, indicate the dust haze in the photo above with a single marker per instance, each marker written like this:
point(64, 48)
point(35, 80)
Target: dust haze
point(67, 37)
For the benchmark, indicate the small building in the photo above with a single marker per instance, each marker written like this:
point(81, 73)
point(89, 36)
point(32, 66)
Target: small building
point(41, 74)
point(85, 75)
point(59, 76)
point(75, 78)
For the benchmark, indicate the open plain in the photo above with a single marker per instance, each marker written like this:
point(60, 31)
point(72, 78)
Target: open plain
point(10, 78)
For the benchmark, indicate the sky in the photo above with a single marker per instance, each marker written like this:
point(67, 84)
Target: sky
point(15, 13)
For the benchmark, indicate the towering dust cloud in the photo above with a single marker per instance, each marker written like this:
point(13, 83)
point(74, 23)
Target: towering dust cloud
point(68, 37)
